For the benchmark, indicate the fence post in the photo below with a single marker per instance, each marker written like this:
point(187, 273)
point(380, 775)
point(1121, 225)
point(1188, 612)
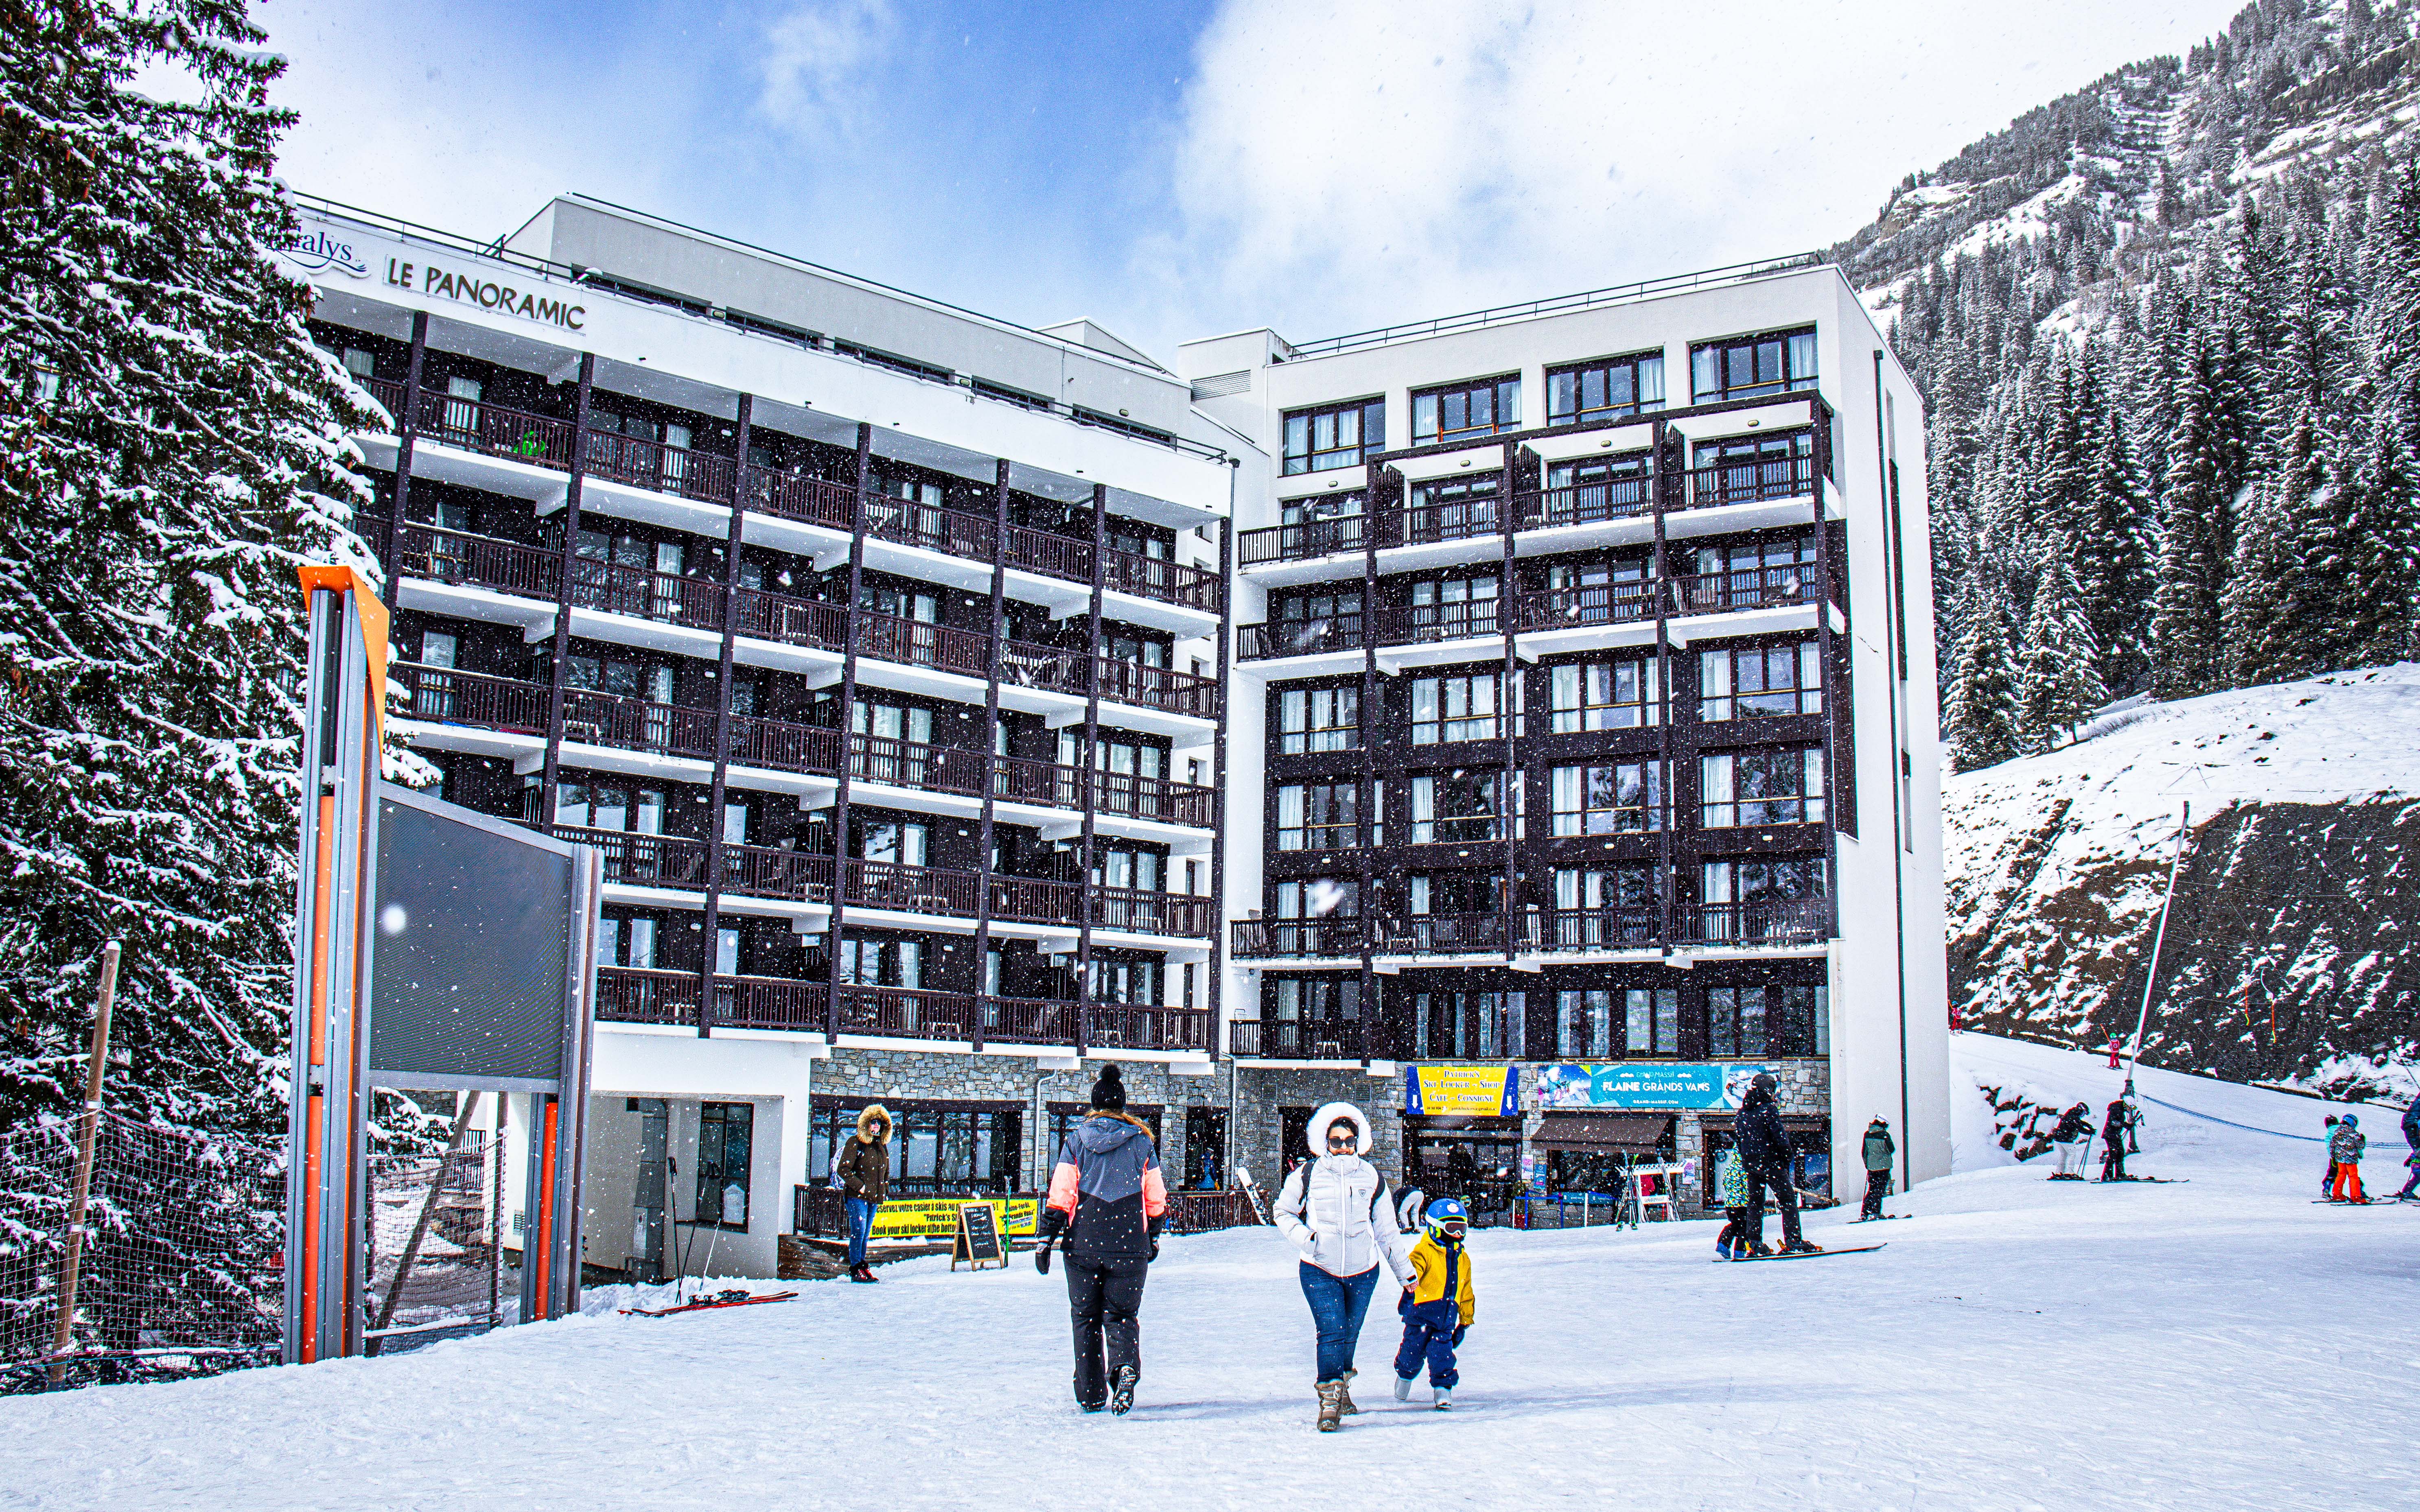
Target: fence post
point(86, 1139)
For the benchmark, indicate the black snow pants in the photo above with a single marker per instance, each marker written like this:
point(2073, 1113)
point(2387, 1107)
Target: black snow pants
point(2113, 1160)
point(1877, 1188)
point(1102, 1297)
point(1784, 1196)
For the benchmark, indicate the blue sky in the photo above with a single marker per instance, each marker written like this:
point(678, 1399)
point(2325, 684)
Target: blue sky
point(1176, 170)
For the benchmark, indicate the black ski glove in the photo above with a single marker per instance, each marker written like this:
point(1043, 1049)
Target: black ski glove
point(1041, 1255)
point(1154, 1247)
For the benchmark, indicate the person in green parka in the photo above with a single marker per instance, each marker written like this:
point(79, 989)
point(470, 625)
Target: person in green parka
point(1880, 1148)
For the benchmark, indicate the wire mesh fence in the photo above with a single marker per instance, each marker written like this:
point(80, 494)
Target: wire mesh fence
point(438, 1265)
point(179, 1272)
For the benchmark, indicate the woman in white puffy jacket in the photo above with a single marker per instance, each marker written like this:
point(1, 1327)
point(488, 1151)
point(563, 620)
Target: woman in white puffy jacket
point(1337, 1214)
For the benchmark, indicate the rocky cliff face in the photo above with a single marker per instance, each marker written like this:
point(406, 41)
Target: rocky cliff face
point(2289, 952)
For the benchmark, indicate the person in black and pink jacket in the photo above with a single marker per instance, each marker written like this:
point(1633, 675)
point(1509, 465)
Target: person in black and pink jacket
point(1107, 1201)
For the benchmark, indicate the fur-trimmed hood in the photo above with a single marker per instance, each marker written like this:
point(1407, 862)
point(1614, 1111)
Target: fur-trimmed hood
point(867, 1118)
point(1315, 1133)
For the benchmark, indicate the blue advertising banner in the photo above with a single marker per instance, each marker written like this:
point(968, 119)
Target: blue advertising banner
point(1642, 1083)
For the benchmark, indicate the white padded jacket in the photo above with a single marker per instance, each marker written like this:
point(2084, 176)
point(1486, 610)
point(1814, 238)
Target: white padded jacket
point(1336, 1210)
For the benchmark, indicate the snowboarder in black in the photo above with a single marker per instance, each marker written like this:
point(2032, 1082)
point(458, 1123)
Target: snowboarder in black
point(2412, 1138)
point(1880, 1148)
point(2114, 1130)
point(2073, 1138)
point(1764, 1152)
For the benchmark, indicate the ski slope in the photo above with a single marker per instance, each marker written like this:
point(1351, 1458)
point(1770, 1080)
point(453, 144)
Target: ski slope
point(2020, 1345)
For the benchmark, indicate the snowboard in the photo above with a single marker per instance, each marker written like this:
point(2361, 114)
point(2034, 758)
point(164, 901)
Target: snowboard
point(719, 1299)
point(1882, 1218)
point(1806, 1255)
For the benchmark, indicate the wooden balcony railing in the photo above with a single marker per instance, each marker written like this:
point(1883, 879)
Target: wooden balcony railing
point(1788, 921)
point(440, 695)
point(628, 994)
point(1300, 638)
point(1449, 933)
point(1597, 929)
point(1716, 593)
point(1617, 603)
point(1583, 504)
point(1296, 1039)
point(1302, 541)
point(1273, 938)
point(1754, 481)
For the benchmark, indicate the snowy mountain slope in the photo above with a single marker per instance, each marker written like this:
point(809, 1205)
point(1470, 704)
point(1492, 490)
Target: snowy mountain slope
point(2288, 954)
point(2019, 1346)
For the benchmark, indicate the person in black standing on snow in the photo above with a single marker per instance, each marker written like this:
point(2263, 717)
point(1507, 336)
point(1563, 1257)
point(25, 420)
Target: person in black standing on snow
point(2412, 1138)
point(1764, 1152)
point(2114, 1130)
point(1108, 1200)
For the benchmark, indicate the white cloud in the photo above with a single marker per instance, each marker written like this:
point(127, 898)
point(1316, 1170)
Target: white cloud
point(819, 62)
point(1380, 160)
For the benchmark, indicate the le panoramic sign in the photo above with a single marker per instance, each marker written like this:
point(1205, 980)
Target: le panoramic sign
point(320, 250)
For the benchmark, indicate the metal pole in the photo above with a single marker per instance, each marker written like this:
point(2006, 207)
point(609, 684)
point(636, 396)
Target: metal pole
point(565, 571)
point(720, 788)
point(1894, 582)
point(86, 1139)
point(995, 769)
point(2150, 977)
point(1087, 898)
point(406, 428)
point(845, 730)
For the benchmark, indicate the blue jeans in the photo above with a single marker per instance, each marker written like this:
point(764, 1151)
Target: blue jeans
point(861, 1222)
point(1337, 1305)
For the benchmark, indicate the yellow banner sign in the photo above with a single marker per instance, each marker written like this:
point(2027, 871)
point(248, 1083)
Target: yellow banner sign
point(937, 1217)
point(1462, 1091)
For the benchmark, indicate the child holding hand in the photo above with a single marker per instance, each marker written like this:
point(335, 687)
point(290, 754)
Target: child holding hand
point(1438, 1306)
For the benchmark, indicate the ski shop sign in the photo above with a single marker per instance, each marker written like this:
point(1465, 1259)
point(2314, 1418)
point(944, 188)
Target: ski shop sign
point(937, 1217)
point(476, 287)
point(1462, 1091)
point(1643, 1085)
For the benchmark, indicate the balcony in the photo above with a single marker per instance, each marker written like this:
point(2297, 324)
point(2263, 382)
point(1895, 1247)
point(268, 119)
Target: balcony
point(440, 695)
point(548, 442)
point(628, 994)
point(458, 559)
point(1762, 480)
point(1789, 923)
point(1296, 1039)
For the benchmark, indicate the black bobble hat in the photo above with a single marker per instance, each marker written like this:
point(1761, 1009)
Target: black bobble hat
point(1765, 1079)
point(1109, 1092)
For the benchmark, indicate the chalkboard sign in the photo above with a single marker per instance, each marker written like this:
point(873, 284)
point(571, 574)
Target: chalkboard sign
point(978, 1240)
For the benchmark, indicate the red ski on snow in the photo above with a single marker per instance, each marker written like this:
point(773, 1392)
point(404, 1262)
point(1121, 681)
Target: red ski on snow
point(720, 1299)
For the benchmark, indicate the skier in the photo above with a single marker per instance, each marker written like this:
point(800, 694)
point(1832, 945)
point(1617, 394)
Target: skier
point(1437, 1307)
point(1730, 1178)
point(2328, 1134)
point(2346, 1147)
point(2412, 1138)
point(1109, 1199)
point(2072, 1139)
point(1880, 1148)
point(863, 1175)
point(2122, 1119)
point(1764, 1151)
point(2115, 1058)
point(1337, 1214)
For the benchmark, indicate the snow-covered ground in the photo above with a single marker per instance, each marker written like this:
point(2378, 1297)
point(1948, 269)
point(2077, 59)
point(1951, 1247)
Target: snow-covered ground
point(2021, 1344)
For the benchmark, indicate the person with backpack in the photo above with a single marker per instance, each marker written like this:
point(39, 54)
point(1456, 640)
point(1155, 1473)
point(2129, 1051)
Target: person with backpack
point(2346, 1149)
point(1880, 1148)
point(1337, 1214)
point(1764, 1151)
point(1438, 1307)
point(1108, 1202)
point(2072, 1139)
point(1730, 1181)
point(2328, 1135)
point(2412, 1138)
point(863, 1175)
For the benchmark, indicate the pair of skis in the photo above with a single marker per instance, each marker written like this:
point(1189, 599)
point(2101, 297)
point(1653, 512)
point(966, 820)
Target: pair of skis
point(1802, 1255)
point(714, 1303)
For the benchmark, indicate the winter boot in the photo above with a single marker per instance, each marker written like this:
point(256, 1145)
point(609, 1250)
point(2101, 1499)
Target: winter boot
point(1121, 1391)
point(862, 1272)
point(1800, 1247)
point(1344, 1393)
point(1402, 1388)
point(1441, 1397)
point(1331, 1405)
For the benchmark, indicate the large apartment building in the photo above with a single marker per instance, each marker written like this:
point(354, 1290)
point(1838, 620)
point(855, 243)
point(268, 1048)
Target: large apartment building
point(955, 702)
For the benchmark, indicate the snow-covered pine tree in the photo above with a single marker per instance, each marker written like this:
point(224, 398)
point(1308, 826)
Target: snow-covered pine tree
point(1980, 719)
point(2271, 634)
point(2058, 683)
point(2186, 655)
point(171, 447)
point(2377, 521)
point(2112, 547)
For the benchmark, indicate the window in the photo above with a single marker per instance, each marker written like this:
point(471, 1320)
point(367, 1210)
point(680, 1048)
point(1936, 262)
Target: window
point(1462, 805)
point(1598, 489)
point(1120, 645)
point(1451, 609)
point(1483, 407)
point(626, 942)
point(439, 648)
point(1754, 682)
point(1467, 1026)
point(1744, 787)
point(1342, 504)
point(1605, 390)
point(1615, 798)
point(1122, 980)
point(1456, 708)
point(637, 811)
point(1310, 1015)
point(1652, 1019)
point(935, 1147)
point(461, 415)
point(1752, 575)
point(1744, 469)
point(891, 841)
point(1752, 899)
point(1336, 436)
point(735, 822)
point(1137, 870)
point(899, 604)
point(360, 363)
point(1318, 719)
point(727, 952)
point(1752, 365)
point(1119, 758)
point(881, 960)
point(1584, 1023)
point(1769, 1021)
point(726, 1139)
point(1318, 816)
point(1319, 897)
point(890, 721)
point(1605, 695)
point(1452, 509)
point(1597, 908)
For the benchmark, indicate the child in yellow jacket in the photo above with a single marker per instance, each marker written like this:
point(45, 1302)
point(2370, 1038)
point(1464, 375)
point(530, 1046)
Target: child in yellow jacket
point(1438, 1306)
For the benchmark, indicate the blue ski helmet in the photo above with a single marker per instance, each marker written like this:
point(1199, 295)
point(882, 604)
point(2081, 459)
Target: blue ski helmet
point(1446, 1211)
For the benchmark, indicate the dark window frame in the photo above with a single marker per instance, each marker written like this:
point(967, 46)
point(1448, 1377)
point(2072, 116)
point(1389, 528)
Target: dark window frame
point(1786, 380)
point(1573, 385)
point(1370, 426)
point(1440, 399)
point(715, 1167)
